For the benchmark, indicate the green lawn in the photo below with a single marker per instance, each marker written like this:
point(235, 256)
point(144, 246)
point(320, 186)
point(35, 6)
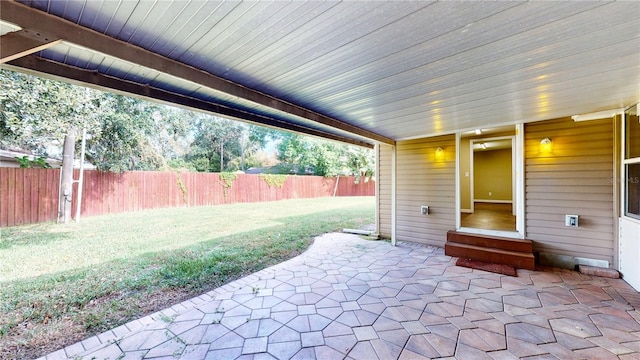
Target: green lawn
point(62, 283)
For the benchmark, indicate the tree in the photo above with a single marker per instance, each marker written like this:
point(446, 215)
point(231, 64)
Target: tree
point(207, 149)
point(36, 113)
point(306, 155)
point(225, 145)
point(122, 141)
point(127, 133)
point(172, 130)
point(361, 161)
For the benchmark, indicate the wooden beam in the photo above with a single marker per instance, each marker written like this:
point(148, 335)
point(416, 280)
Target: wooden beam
point(29, 18)
point(23, 42)
point(38, 66)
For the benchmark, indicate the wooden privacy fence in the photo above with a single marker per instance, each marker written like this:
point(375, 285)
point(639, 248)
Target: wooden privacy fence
point(31, 195)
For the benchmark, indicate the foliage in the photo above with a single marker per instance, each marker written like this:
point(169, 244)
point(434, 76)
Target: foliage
point(226, 180)
point(225, 145)
point(38, 162)
point(213, 137)
point(311, 156)
point(181, 165)
point(122, 141)
point(361, 162)
point(35, 112)
point(201, 164)
point(124, 133)
point(274, 180)
point(182, 187)
point(127, 133)
point(172, 130)
point(302, 155)
point(75, 283)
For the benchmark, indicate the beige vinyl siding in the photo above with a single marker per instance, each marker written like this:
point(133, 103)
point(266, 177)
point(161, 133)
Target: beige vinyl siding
point(424, 180)
point(383, 177)
point(576, 177)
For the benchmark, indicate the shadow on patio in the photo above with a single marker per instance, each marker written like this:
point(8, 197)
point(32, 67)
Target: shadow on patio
point(356, 299)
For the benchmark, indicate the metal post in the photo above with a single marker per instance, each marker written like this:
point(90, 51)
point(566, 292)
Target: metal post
point(81, 178)
point(59, 192)
point(66, 188)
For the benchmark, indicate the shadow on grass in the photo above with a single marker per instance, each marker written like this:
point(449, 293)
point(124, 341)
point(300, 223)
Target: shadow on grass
point(13, 237)
point(96, 298)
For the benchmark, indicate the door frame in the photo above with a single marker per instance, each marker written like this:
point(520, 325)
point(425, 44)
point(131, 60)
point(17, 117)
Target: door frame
point(472, 172)
point(628, 227)
point(517, 159)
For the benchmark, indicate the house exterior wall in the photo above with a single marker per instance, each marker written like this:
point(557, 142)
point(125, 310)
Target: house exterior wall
point(383, 180)
point(574, 177)
point(424, 180)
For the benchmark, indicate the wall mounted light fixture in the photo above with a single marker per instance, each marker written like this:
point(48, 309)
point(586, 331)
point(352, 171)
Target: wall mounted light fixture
point(439, 153)
point(545, 144)
point(484, 146)
point(478, 131)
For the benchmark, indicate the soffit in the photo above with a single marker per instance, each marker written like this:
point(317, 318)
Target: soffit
point(398, 69)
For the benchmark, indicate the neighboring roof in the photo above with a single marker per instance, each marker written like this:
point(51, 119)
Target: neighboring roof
point(363, 72)
point(280, 168)
point(8, 159)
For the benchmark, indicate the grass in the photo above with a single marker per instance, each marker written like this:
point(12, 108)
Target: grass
point(62, 283)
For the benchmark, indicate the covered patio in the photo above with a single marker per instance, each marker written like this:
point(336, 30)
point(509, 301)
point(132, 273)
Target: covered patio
point(409, 79)
point(351, 298)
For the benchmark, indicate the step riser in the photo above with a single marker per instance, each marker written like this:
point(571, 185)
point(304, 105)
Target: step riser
point(518, 245)
point(521, 261)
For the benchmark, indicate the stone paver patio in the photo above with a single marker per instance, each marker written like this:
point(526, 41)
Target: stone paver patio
point(349, 298)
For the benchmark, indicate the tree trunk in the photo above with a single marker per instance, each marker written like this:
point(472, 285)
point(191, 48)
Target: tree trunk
point(66, 183)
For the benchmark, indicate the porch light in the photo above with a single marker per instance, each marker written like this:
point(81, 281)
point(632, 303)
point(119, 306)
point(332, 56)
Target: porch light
point(545, 145)
point(439, 153)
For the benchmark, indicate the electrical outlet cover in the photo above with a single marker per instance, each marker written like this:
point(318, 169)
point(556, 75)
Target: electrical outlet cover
point(571, 220)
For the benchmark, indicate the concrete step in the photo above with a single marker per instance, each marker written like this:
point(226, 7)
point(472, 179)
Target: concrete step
point(495, 242)
point(521, 260)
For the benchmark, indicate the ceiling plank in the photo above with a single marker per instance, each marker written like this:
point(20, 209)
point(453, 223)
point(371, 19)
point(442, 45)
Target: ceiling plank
point(23, 42)
point(29, 18)
point(38, 66)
